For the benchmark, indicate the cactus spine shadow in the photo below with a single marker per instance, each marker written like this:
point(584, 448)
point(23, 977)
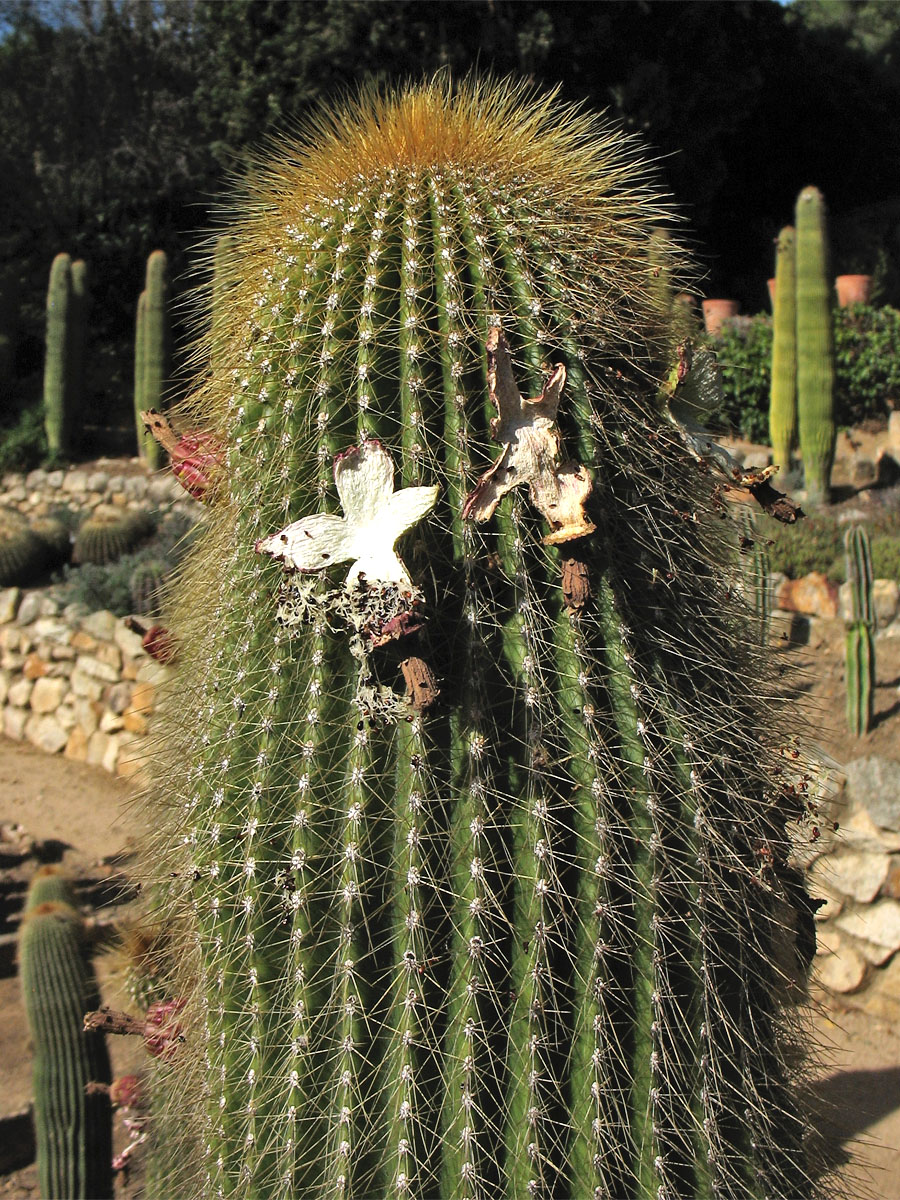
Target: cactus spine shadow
point(518, 942)
point(815, 353)
point(860, 642)
point(72, 1127)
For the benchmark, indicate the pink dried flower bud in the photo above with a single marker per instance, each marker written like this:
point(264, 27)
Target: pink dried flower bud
point(159, 644)
point(127, 1092)
point(195, 459)
point(161, 1032)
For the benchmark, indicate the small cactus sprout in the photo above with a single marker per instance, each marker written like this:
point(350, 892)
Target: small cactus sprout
point(860, 644)
point(72, 1118)
point(474, 839)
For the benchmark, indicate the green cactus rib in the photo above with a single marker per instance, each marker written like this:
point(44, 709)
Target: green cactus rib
point(73, 1128)
point(58, 355)
point(522, 941)
point(815, 353)
point(783, 394)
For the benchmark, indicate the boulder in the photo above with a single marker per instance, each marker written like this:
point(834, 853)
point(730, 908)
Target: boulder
point(873, 783)
point(813, 595)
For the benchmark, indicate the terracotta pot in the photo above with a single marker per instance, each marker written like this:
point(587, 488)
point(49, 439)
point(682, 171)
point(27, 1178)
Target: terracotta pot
point(853, 289)
point(717, 311)
point(770, 284)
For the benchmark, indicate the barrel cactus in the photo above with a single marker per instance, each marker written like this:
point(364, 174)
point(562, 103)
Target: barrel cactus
point(24, 554)
point(146, 584)
point(72, 1122)
point(109, 532)
point(476, 851)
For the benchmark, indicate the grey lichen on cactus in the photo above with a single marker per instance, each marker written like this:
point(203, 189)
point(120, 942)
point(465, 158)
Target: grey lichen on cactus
point(72, 1123)
point(815, 351)
point(783, 393)
point(476, 839)
point(58, 388)
point(860, 642)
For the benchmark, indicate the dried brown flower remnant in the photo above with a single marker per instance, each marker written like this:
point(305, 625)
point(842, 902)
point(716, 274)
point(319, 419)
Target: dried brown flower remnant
point(532, 452)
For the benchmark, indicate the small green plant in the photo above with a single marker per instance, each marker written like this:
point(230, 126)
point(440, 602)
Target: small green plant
point(867, 362)
point(811, 545)
point(73, 1129)
point(860, 642)
point(885, 549)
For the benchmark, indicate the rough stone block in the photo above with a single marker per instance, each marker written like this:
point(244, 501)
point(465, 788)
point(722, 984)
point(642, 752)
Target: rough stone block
point(14, 722)
point(20, 693)
point(47, 694)
point(9, 604)
point(46, 733)
point(101, 625)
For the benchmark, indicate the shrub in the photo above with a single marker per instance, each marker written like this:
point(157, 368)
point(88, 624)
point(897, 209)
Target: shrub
point(886, 557)
point(867, 368)
point(744, 350)
point(811, 545)
point(867, 362)
point(23, 445)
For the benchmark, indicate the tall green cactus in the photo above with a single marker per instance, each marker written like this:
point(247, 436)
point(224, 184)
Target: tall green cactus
point(783, 394)
point(860, 645)
point(756, 572)
point(81, 307)
point(514, 929)
point(153, 352)
point(57, 359)
point(815, 353)
point(73, 1127)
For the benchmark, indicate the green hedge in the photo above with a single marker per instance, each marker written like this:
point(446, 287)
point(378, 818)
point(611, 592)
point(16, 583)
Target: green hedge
point(867, 368)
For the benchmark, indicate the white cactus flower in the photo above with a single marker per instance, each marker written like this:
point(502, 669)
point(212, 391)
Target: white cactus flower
point(374, 518)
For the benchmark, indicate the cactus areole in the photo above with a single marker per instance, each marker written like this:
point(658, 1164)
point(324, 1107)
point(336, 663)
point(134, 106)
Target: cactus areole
point(477, 851)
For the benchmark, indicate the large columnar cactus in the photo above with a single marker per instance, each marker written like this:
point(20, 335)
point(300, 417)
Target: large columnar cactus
point(80, 306)
point(57, 357)
point(815, 353)
point(72, 1123)
point(153, 351)
point(783, 394)
point(860, 656)
point(477, 846)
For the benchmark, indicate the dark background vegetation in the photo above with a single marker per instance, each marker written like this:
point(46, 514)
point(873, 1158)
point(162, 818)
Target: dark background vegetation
point(121, 120)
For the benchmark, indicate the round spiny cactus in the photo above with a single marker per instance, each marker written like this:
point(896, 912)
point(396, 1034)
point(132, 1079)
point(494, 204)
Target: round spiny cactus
point(24, 555)
point(108, 533)
point(56, 538)
point(477, 843)
point(147, 583)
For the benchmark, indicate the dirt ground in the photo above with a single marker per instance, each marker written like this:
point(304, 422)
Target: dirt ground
point(92, 820)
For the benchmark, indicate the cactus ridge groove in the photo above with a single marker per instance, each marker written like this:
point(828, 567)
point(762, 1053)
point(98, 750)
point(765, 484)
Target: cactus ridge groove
point(530, 940)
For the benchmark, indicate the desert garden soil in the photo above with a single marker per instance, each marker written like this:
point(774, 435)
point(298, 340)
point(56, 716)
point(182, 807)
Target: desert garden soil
point(94, 822)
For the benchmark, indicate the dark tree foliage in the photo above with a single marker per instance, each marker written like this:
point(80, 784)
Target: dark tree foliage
point(121, 120)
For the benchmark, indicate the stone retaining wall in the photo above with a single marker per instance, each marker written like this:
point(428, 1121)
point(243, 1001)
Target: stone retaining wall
point(76, 684)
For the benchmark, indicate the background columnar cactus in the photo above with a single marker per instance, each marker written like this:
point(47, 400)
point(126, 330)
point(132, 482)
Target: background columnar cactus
point(153, 350)
point(524, 937)
point(815, 353)
point(80, 303)
point(783, 395)
point(72, 1126)
point(58, 356)
point(756, 573)
point(860, 631)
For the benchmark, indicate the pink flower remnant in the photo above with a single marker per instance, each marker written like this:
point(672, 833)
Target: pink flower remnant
point(162, 1033)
